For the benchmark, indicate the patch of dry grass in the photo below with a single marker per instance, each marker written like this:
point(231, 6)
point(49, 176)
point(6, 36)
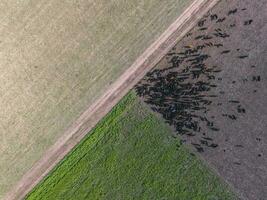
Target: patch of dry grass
point(56, 58)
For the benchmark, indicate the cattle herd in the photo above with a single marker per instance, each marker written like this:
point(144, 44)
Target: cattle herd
point(182, 87)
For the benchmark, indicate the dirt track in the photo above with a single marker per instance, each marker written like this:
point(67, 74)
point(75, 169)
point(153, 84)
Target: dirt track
point(104, 104)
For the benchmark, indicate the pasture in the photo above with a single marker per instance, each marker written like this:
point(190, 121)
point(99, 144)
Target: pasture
point(211, 87)
point(131, 154)
point(57, 58)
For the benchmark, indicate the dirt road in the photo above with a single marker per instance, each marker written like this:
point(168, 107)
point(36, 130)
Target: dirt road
point(117, 90)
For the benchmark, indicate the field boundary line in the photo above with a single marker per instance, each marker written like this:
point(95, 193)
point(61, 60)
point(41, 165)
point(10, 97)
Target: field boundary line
point(95, 112)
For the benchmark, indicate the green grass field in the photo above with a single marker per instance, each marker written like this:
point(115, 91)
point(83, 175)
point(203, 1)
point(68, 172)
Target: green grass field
point(131, 155)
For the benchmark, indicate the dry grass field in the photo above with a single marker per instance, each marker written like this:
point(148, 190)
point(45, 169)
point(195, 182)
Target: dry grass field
point(56, 58)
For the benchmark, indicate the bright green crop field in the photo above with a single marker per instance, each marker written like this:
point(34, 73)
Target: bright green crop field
point(131, 155)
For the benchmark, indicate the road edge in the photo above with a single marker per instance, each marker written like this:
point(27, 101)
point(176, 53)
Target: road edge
point(94, 113)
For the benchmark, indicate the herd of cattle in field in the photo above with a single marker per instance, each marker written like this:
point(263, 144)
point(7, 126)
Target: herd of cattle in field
point(183, 86)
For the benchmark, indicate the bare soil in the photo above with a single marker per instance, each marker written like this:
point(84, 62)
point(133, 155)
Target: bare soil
point(211, 88)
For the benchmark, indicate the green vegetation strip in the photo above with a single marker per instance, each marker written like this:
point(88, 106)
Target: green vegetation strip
point(131, 155)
